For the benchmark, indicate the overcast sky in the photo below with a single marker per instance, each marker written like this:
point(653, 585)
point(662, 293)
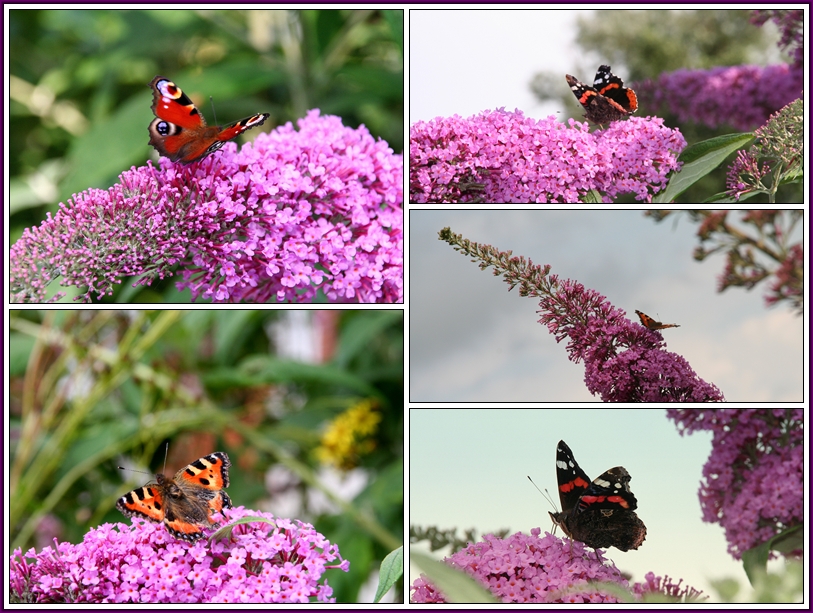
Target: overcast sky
point(467, 61)
point(473, 341)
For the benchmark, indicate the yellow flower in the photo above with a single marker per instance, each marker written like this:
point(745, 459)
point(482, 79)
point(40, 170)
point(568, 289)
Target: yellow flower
point(350, 436)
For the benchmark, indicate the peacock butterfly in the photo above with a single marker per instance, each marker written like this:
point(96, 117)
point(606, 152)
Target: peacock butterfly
point(179, 131)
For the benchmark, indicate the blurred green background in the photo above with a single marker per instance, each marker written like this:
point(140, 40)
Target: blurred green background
point(80, 102)
point(93, 390)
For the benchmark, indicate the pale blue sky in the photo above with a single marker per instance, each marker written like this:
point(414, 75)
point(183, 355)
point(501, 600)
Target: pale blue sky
point(473, 341)
point(469, 468)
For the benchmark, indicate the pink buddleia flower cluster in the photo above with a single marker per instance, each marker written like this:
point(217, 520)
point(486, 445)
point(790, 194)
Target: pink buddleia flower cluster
point(624, 361)
point(743, 97)
point(144, 563)
point(532, 569)
point(423, 592)
point(666, 587)
point(753, 482)
point(770, 236)
point(503, 157)
point(745, 174)
point(776, 156)
point(299, 211)
point(786, 284)
point(525, 568)
point(760, 245)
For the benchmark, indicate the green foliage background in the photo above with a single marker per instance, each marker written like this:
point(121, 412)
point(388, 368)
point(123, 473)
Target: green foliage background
point(80, 102)
point(91, 390)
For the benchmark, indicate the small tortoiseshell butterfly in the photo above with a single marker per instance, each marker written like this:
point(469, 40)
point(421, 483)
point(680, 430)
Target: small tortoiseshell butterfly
point(185, 503)
point(652, 324)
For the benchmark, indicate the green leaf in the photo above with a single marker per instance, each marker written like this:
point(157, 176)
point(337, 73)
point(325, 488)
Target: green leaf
point(359, 333)
point(225, 531)
point(270, 369)
point(392, 569)
point(592, 197)
point(791, 539)
point(725, 198)
point(395, 19)
point(457, 586)
point(699, 160)
point(755, 560)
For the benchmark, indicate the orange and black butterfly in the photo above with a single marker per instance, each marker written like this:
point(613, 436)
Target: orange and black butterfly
point(650, 323)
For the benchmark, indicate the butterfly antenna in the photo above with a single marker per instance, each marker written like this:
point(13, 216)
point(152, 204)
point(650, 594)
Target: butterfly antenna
point(545, 494)
point(212, 102)
point(133, 470)
point(535, 485)
point(166, 453)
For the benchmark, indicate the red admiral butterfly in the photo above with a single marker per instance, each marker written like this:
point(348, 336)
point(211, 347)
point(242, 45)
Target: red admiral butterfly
point(601, 513)
point(608, 100)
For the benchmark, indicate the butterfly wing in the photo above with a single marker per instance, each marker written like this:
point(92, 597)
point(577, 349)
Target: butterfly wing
point(210, 472)
point(171, 104)
point(145, 501)
point(238, 127)
point(612, 88)
point(205, 479)
point(572, 480)
point(610, 490)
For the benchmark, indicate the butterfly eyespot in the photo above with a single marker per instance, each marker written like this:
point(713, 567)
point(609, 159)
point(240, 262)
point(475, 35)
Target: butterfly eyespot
point(162, 127)
point(172, 91)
